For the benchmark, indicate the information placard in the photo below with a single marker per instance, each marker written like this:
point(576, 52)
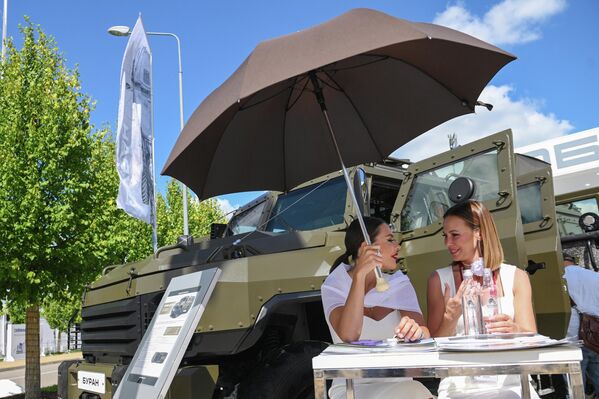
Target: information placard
point(163, 345)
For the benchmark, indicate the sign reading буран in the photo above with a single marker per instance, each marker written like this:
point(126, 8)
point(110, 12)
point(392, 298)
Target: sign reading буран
point(89, 381)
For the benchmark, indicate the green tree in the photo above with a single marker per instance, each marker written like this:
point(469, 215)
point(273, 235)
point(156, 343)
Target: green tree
point(15, 312)
point(56, 214)
point(170, 215)
point(58, 219)
point(61, 310)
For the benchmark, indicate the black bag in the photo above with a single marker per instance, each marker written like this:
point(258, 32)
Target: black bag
point(589, 331)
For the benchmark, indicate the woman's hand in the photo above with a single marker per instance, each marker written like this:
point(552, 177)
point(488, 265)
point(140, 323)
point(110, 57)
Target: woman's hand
point(369, 256)
point(453, 305)
point(408, 329)
point(501, 323)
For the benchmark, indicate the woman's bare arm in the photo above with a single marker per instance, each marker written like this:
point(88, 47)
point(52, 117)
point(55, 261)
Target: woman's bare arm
point(524, 317)
point(347, 320)
point(443, 310)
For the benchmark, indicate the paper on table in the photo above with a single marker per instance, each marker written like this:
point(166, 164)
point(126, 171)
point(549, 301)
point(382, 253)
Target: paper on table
point(383, 346)
point(492, 344)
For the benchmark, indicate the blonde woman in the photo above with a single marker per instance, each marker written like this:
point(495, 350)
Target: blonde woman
point(471, 238)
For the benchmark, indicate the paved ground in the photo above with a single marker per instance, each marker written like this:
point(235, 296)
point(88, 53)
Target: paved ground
point(48, 375)
point(15, 371)
point(43, 360)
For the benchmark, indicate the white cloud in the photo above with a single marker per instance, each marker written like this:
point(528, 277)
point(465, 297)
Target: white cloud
point(529, 125)
point(508, 22)
point(226, 207)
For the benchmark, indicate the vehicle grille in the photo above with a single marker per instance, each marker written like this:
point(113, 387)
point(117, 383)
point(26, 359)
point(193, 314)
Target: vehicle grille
point(111, 332)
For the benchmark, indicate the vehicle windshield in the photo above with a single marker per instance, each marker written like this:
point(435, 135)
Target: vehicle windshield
point(249, 219)
point(313, 207)
point(428, 197)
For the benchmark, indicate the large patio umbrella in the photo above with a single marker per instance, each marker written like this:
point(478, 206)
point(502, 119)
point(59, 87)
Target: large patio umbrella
point(350, 90)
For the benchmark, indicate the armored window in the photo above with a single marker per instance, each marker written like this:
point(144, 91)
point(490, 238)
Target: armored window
point(427, 200)
point(531, 205)
point(248, 220)
point(568, 214)
point(308, 208)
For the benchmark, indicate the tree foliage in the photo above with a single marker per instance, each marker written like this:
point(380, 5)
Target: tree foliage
point(127, 239)
point(56, 189)
point(59, 225)
point(62, 310)
point(170, 214)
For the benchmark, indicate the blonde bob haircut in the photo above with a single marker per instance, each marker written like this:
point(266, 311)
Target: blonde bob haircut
point(477, 216)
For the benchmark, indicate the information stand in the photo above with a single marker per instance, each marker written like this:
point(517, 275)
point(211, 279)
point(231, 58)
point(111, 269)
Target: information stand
point(163, 345)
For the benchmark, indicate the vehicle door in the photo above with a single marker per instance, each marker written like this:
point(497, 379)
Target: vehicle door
point(543, 247)
point(489, 165)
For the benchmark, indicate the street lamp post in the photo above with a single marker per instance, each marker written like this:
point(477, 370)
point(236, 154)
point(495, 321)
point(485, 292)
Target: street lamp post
point(125, 31)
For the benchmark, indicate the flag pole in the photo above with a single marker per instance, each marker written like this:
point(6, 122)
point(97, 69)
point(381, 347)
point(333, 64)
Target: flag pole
point(153, 208)
point(4, 29)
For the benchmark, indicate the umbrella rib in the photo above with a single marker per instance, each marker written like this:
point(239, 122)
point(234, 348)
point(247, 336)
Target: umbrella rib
point(357, 113)
point(244, 107)
point(289, 106)
point(380, 58)
point(463, 101)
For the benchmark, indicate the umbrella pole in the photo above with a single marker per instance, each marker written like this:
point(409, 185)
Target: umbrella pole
point(381, 283)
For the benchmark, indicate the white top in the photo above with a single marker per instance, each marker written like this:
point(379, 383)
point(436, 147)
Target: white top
point(400, 295)
point(583, 287)
point(506, 274)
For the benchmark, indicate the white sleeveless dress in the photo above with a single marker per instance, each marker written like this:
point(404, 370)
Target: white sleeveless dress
point(482, 387)
point(367, 388)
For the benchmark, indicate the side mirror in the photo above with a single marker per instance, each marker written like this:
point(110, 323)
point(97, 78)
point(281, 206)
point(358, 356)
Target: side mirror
point(361, 191)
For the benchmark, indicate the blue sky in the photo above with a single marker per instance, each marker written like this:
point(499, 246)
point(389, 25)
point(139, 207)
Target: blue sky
point(551, 90)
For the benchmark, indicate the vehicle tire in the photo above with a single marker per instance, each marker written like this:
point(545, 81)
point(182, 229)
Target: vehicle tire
point(288, 376)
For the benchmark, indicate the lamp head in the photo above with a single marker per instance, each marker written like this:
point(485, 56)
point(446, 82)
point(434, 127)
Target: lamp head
point(119, 30)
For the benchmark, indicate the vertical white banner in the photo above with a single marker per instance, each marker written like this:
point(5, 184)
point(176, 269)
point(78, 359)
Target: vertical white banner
point(134, 129)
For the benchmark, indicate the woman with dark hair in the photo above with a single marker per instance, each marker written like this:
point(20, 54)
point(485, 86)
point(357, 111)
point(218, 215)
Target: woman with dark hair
point(471, 238)
point(354, 310)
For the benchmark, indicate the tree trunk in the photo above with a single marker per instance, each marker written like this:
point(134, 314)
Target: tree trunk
point(32, 353)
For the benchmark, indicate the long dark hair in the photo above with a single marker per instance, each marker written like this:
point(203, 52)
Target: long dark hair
point(354, 238)
point(477, 216)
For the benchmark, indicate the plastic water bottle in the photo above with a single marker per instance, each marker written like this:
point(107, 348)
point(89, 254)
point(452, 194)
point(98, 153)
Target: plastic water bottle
point(471, 309)
point(490, 304)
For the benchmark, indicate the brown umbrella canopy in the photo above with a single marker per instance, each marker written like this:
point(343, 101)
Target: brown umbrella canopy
point(385, 81)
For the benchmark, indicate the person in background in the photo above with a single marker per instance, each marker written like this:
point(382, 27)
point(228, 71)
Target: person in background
point(354, 310)
point(583, 287)
point(471, 238)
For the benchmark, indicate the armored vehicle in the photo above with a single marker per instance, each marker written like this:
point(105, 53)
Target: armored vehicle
point(264, 321)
